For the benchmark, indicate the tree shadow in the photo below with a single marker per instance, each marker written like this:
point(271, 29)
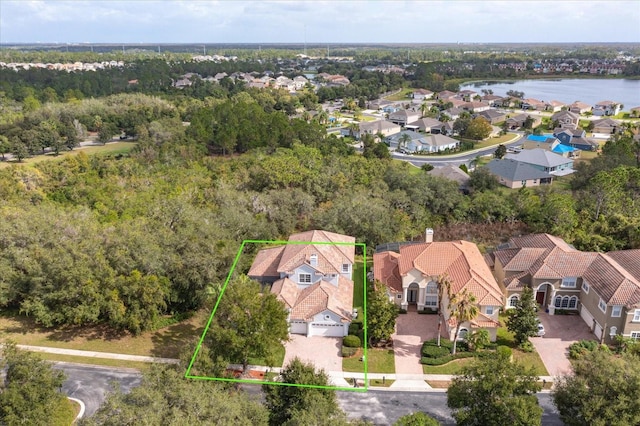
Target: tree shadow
point(173, 341)
point(26, 325)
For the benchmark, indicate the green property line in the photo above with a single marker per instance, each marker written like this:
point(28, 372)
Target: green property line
point(224, 287)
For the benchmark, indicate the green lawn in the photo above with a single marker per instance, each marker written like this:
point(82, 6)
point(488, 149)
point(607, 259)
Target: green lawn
point(113, 148)
point(402, 95)
point(453, 367)
point(528, 359)
point(379, 383)
point(380, 361)
point(279, 358)
point(358, 288)
point(65, 412)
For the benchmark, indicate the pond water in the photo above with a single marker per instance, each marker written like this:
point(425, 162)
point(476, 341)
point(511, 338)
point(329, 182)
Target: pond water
point(590, 91)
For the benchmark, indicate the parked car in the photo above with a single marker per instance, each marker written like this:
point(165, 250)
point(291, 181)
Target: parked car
point(540, 329)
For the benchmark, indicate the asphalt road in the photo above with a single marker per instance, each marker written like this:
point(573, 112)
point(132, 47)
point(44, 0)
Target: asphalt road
point(91, 383)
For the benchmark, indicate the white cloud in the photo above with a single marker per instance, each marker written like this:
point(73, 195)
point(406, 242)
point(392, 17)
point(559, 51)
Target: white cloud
point(325, 21)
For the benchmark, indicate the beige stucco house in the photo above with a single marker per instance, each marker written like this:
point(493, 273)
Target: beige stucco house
point(410, 275)
point(603, 288)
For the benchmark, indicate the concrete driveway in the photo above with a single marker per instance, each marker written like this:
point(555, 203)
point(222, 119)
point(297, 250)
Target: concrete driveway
point(560, 332)
point(323, 352)
point(411, 330)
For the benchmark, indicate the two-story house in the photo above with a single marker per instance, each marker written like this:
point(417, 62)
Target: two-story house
point(566, 119)
point(606, 108)
point(404, 117)
point(603, 288)
point(410, 275)
point(312, 276)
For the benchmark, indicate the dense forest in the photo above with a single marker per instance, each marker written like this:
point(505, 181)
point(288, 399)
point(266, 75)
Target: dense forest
point(129, 240)
point(126, 240)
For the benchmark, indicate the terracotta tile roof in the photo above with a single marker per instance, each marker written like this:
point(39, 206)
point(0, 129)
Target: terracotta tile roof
point(323, 296)
point(266, 262)
point(460, 260)
point(518, 281)
point(519, 259)
point(286, 290)
point(629, 260)
point(541, 241)
point(385, 269)
point(480, 321)
point(489, 259)
point(612, 282)
point(330, 256)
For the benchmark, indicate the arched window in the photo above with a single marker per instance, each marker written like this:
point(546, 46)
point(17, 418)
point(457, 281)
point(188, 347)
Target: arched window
point(431, 297)
point(613, 331)
point(565, 302)
point(462, 333)
point(558, 301)
point(573, 302)
point(513, 300)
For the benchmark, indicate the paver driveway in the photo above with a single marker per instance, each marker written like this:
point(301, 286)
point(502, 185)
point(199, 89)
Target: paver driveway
point(411, 330)
point(560, 332)
point(323, 352)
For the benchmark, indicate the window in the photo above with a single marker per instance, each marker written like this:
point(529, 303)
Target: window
point(345, 268)
point(489, 310)
point(432, 288)
point(635, 335)
point(565, 302)
point(557, 301)
point(613, 331)
point(569, 282)
point(524, 183)
point(462, 333)
point(603, 306)
point(431, 301)
point(616, 311)
point(327, 317)
point(636, 315)
point(535, 181)
point(399, 296)
point(573, 302)
point(513, 300)
point(304, 278)
point(585, 286)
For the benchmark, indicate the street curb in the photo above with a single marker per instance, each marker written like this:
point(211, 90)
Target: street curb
point(82, 408)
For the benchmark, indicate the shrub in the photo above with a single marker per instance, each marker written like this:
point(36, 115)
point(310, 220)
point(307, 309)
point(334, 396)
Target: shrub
point(478, 339)
point(402, 311)
point(434, 351)
point(579, 349)
point(504, 351)
point(526, 346)
point(351, 341)
point(354, 328)
point(347, 352)
point(428, 311)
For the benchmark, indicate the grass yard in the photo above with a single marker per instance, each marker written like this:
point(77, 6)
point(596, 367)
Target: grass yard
point(410, 167)
point(528, 359)
point(279, 358)
point(358, 287)
point(380, 361)
point(65, 413)
point(438, 384)
point(402, 95)
point(113, 148)
point(142, 366)
point(167, 342)
point(379, 383)
point(453, 367)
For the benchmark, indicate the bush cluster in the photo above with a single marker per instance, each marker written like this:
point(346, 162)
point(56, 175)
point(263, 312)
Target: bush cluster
point(504, 351)
point(580, 349)
point(347, 352)
point(351, 341)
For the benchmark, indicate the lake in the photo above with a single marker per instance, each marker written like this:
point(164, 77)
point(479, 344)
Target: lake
point(588, 90)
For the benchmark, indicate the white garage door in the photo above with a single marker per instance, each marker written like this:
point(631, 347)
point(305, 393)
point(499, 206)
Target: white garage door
point(321, 329)
point(298, 327)
point(586, 316)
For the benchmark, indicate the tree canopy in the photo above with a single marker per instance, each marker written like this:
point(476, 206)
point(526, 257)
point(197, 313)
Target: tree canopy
point(247, 323)
point(381, 313)
point(493, 391)
point(523, 320)
point(603, 389)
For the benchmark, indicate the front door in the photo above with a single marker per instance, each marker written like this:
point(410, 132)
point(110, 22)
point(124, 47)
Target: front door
point(540, 297)
point(412, 295)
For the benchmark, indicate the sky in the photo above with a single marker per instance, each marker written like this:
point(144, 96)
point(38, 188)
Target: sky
point(332, 21)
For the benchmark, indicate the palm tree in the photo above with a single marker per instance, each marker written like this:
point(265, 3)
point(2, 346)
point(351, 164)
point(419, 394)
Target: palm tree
point(403, 141)
point(424, 107)
point(463, 309)
point(444, 288)
point(353, 129)
point(322, 116)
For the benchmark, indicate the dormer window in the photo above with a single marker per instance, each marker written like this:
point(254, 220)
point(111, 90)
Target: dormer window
point(569, 282)
point(345, 268)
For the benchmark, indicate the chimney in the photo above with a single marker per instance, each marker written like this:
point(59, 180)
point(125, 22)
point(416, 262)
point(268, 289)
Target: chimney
point(428, 235)
point(313, 260)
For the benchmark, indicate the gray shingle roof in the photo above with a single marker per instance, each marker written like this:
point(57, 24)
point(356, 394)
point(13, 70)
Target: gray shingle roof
point(515, 170)
point(539, 156)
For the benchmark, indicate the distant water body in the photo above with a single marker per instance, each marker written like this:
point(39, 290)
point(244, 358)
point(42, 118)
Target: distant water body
point(590, 91)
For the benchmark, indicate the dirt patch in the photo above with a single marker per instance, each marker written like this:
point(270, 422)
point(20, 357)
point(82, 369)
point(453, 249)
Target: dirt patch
point(438, 384)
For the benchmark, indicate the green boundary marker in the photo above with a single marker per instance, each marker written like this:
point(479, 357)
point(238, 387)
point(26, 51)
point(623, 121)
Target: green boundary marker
point(256, 382)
